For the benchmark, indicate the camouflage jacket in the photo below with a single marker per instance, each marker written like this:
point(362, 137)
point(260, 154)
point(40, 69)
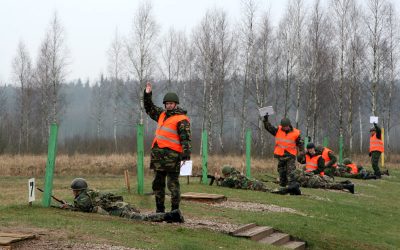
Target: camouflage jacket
point(98, 202)
point(240, 181)
point(165, 159)
point(273, 130)
point(333, 158)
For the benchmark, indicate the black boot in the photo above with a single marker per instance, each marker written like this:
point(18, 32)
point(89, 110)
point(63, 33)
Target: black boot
point(294, 189)
point(282, 190)
point(369, 177)
point(349, 187)
point(345, 182)
point(174, 216)
point(160, 208)
point(174, 207)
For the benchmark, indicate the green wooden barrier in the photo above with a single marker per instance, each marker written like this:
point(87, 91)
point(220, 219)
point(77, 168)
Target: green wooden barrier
point(51, 162)
point(326, 141)
point(248, 153)
point(204, 156)
point(140, 158)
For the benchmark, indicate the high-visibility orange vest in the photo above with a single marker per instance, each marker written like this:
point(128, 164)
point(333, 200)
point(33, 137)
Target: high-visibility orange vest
point(167, 132)
point(286, 142)
point(326, 156)
point(312, 163)
point(354, 168)
point(376, 144)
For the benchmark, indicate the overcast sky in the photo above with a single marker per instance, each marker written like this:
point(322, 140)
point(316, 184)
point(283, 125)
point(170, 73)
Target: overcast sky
point(90, 26)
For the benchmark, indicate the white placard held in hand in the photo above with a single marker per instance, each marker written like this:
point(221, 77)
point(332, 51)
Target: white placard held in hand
point(373, 119)
point(186, 168)
point(31, 190)
point(266, 110)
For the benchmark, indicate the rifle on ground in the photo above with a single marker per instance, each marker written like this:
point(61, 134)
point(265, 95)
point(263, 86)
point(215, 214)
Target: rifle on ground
point(56, 199)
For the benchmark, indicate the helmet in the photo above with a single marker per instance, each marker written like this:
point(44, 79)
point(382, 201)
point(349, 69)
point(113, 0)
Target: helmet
point(227, 170)
point(79, 184)
point(310, 145)
point(171, 97)
point(346, 161)
point(319, 148)
point(285, 122)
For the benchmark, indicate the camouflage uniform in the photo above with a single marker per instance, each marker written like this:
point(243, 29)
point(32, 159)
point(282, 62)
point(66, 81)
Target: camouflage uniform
point(107, 203)
point(164, 161)
point(329, 166)
point(311, 180)
point(238, 180)
point(344, 171)
point(287, 162)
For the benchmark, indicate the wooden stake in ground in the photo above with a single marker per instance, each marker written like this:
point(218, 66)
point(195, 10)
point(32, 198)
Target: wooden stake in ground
point(127, 183)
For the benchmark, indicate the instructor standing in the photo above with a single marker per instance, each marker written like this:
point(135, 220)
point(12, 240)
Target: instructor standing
point(376, 148)
point(171, 145)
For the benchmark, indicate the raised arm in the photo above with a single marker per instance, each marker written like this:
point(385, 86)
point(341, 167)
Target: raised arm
point(152, 110)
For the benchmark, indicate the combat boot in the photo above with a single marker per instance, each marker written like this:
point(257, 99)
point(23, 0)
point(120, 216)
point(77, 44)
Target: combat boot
point(294, 189)
point(349, 187)
point(369, 177)
point(174, 216)
point(345, 182)
point(160, 208)
point(282, 190)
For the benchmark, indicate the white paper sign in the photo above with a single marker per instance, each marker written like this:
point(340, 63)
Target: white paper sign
point(373, 119)
point(186, 169)
point(31, 190)
point(266, 110)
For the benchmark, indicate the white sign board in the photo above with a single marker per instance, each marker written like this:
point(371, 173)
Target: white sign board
point(186, 168)
point(266, 110)
point(373, 119)
point(31, 190)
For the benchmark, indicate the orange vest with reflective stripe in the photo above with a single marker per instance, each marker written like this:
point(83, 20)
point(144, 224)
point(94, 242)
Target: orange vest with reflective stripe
point(326, 156)
point(376, 144)
point(354, 168)
point(312, 163)
point(167, 132)
point(286, 142)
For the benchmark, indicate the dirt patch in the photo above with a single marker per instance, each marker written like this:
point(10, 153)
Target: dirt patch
point(213, 225)
point(55, 239)
point(256, 207)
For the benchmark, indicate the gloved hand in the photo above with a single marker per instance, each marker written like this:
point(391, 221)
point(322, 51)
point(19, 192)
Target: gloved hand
point(266, 117)
point(185, 156)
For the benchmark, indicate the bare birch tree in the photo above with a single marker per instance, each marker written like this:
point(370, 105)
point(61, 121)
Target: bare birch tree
point(22, 69)
point(140, 47)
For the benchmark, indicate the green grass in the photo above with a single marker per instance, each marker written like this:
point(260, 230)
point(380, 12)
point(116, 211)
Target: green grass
point(335, 220)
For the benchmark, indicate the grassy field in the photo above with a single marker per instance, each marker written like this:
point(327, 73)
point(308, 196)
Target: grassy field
point(370, 219)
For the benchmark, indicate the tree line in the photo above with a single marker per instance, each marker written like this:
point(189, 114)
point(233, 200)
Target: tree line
point(327, 66)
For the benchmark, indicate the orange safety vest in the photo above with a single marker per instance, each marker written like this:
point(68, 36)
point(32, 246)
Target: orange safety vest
point(354, 168)
point(376, 144)
point(167, 132)
point(312, 163)
point(286, 142)
point(326, 156)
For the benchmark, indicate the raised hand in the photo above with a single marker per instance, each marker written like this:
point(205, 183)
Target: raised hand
point(148, 87)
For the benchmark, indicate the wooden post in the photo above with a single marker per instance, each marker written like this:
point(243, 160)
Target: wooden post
point(51, 162)
point(140, 159)
point(127, 182)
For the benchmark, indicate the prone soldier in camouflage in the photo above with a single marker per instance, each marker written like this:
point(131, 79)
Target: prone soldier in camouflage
point(90, 201)
point(234, 179)
point(287, 140)
point(171, 145)
point(313, 176)
point(351, 170)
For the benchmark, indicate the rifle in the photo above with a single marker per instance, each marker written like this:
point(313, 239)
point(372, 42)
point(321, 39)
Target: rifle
point(212, 179)
point(56, 199)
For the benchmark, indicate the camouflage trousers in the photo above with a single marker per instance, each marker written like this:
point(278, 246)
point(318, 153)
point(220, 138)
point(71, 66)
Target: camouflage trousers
point(286, 168)
point(124, 210)
point(310, 180)
point(375, 155)
point(159, 189)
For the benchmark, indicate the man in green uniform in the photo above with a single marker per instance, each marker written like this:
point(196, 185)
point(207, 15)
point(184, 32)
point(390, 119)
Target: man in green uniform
point(376, 148)
point(91, 201)
point(234, 179)
point(171, 145)
point(351, 170)
point(287, 144)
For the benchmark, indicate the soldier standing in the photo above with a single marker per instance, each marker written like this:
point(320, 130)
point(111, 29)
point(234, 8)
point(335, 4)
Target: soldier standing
point(287, 140)
point(376, 148)
point(171, 145)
